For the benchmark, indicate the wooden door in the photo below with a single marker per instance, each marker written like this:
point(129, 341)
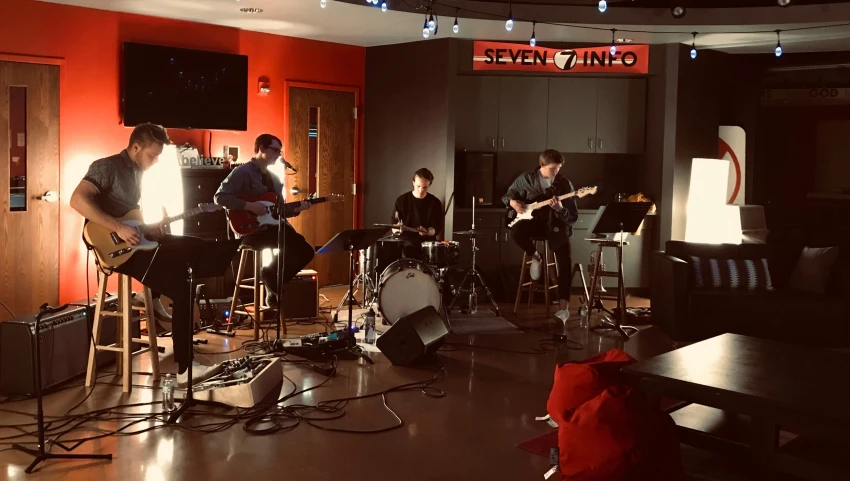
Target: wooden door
point(572, 115)
point(523, 110)
point(29, 167)
point(621, 116)
point(477, 110)
point(321, 147)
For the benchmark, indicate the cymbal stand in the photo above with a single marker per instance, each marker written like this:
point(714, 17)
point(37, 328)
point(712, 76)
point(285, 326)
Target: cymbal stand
point(472, 274)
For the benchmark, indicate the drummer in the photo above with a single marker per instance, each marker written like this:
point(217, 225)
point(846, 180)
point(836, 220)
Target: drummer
point(420, 210)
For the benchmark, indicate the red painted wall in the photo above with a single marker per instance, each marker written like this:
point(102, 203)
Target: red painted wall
point(90, 42)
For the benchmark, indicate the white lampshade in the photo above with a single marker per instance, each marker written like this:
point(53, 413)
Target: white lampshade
point(162, 187)
point(709, 219)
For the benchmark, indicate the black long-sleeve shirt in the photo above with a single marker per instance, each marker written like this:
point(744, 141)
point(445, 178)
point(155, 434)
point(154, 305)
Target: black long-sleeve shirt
point(528, 188)
point(426, 212)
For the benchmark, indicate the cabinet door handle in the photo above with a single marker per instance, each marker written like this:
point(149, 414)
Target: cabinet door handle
point(590, 143)
point(599, 144)
point(503, 141)
point(506, 236)
point(497, 237)
point(493, 141)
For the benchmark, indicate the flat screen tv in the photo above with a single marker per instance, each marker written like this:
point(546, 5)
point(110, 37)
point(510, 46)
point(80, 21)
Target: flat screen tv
point(185, 89)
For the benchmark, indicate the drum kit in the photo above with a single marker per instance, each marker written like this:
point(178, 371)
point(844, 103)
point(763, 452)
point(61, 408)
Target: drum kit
point(401, 286)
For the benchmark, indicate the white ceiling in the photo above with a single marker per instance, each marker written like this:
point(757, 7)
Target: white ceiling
point(365, 25)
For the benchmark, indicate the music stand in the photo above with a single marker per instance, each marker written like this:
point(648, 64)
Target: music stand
point(202, 259)
point(351, 241)
point(618, 218)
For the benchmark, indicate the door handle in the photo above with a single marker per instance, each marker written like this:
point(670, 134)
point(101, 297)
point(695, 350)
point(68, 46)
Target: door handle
point(503, 141)
point(590, 143)
point(493, 141)
point(599, 144)
point(49, 196)
point(294, 190)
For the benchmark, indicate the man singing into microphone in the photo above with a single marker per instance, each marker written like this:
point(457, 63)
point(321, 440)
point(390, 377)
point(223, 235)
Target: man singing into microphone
point(253, 179)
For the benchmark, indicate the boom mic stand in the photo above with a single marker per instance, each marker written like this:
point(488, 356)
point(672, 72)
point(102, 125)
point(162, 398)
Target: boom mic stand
point(41, 453)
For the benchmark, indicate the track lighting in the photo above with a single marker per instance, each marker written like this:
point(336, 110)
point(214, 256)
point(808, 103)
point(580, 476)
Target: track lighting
point(778, 50)
point(456, 27)
point(613, 48)
point(509, 23)
point(533, 40)
point(694, 46)
point(783, 3)
point(678, 12)
point(603, 6)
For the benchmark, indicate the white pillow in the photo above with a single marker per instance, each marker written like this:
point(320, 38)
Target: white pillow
point(813, 269)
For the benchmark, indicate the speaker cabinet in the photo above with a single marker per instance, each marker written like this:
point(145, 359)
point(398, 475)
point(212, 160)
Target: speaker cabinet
point(475, 176)
point(301, 296)
point(413, 337)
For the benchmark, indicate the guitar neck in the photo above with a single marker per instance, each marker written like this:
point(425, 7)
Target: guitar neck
point(188, 213)
point(317, 200)
point(544, 203)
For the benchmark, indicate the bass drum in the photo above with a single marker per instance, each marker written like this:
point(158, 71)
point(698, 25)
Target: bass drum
point(406, 286)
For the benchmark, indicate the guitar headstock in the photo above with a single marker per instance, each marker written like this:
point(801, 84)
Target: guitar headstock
point(209, 207)
point(586, 191)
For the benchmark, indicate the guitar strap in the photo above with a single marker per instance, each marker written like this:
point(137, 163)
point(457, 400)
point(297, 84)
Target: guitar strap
point(268, 182)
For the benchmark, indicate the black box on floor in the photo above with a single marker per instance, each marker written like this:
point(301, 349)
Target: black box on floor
point(65, 344)
point(301, 296)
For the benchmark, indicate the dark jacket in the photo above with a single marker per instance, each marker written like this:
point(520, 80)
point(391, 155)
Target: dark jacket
point(527, 188)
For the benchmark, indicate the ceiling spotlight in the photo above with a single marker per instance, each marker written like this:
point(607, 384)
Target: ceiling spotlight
point(251, 10)
point(533, 40)
point(323, 3)
point(778, 50)
point(678, 12)
point(426, 31)
point(694, 46)
point(384, 7)
point(509, 23)
point(613, 48)
point(783, 3)
point(603, 5)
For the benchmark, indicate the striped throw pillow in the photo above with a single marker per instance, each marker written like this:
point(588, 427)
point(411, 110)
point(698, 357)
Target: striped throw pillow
point(731, 274)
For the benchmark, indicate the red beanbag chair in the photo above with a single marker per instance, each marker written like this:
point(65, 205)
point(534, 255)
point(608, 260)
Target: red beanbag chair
point(579, 382)
point(618, 436)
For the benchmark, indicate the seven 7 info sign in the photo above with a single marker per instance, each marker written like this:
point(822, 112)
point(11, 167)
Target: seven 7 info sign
point(524, 58)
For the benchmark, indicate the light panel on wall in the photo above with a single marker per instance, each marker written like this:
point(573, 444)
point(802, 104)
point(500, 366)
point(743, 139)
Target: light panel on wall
point(709, 219)
point(162, 187)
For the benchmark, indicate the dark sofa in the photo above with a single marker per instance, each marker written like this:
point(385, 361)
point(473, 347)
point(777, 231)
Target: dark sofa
point(688, 314)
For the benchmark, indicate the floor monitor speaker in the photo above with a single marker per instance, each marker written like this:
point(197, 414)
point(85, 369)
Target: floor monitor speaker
point(413, 337)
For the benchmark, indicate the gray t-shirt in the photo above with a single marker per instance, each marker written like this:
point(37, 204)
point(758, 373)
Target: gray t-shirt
point(118, 180)
point(544, 182)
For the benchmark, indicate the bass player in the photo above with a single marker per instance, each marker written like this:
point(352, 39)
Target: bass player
point(554, 224)
point(251, 180)
point(110, 189)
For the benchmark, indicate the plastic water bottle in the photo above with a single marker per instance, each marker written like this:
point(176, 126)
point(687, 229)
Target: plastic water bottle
point(369, 325)
point(168, 385)
point(585, 317)
point(473, 302)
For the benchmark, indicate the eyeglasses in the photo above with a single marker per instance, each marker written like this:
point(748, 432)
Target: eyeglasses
point(273, 150)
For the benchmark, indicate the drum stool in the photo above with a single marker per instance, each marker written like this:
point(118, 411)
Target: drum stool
point(549, 261)
point(124, 339)
point(254, 283)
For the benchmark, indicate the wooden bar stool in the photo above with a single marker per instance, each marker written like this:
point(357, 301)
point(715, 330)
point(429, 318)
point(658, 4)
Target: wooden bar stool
point(123, 346)
point(254, 283)
point(549, 260)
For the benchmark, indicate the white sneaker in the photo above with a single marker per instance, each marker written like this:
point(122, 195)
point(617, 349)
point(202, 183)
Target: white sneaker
point(535, 268)
point(563, 315)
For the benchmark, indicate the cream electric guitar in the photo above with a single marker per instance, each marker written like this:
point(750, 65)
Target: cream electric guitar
point(111, 251)
point(530, 208)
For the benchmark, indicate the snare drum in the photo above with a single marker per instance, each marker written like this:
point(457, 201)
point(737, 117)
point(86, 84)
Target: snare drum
point(441, 254)
point(406, 286)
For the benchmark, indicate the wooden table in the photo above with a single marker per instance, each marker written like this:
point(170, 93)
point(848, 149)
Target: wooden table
point(739, 391)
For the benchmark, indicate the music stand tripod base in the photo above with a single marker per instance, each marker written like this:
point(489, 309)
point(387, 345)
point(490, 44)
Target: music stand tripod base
point(472, 275)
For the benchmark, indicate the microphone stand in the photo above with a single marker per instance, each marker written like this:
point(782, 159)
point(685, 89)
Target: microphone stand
point(41, 454)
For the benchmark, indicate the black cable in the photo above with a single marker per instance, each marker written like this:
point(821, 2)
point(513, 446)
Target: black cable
point(7, 308)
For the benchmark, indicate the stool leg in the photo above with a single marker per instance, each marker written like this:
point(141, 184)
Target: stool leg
point(594, 281)
point(521, 281)
point(546, 278)
point(126, 344)
point(151, 325)
point(258, 306)
point(98, 309)
point(239, 273)
point(557, 285)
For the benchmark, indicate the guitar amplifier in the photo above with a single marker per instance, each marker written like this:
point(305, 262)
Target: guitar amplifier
point(301, 296)
point(65, 344)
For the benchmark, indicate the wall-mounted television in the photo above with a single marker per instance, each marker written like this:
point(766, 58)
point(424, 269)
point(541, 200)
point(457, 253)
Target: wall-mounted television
point(184, 89)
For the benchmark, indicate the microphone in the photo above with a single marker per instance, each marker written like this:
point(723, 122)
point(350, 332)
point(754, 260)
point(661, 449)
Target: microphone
point(288, 165)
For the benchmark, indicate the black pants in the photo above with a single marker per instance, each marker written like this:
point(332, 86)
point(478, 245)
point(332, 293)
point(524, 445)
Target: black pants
point(524, 231)
point(163, 271)
point(298, 253)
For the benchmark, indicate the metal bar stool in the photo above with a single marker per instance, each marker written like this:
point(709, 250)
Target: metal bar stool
point(254, 283)
point(549, 260)
point(124, 340)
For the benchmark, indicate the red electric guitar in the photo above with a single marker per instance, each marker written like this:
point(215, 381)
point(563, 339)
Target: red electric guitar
point(244, 222)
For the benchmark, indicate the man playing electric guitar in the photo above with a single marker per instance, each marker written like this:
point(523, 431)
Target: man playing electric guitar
point(253, 179)
point(554, 224)
point(110, 189)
